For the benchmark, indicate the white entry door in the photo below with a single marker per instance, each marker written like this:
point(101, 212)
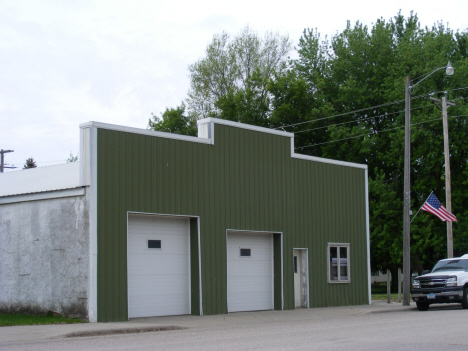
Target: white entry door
point(158, 266)
point(250, 271)
point(301, 288)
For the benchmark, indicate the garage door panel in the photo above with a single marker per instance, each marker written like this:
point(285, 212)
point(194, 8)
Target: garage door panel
point(260, 294)
point(260, 282)
point(164, 264)
point(250, 279)
point(258, 252)
point(169, 246)
point(168, 249)
point(158, 279)
point(141, 310)
point(148, 301)
point(162, 286)
point(246, 266)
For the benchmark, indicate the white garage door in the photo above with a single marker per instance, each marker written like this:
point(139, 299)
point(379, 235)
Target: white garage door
point(250, 271)
point(158, 266)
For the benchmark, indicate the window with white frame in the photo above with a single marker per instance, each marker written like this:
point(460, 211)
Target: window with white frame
point(338, 263)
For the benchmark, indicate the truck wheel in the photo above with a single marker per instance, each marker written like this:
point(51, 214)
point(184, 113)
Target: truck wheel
point(422, 306)
point(465, 298)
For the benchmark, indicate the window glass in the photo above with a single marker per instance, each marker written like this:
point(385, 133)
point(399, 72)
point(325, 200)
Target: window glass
point(245, 252)
point(451, 265)
point(154, 244)
point(338, 256)
point(343, 263)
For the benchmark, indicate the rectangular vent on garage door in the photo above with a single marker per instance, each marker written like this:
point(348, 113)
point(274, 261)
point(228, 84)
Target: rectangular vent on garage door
point(245, 253)
point(154, 244)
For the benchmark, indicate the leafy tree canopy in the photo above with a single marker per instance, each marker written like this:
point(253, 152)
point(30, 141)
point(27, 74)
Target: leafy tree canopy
point(30, 163)
point(174, 120)
point(72, 158)
point(235, 68)
point(358, 76)
point(343, 98)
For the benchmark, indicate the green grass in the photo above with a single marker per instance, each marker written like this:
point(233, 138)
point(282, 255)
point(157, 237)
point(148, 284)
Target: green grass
point(379, 289)
point(393, 297)
point(379, 292)
point(24, 319)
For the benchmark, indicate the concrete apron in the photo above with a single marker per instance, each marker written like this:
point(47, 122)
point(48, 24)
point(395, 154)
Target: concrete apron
point(168, 323)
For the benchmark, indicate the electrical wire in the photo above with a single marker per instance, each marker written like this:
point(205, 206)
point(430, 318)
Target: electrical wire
point(360, 120)
point(342, 114)
point(446, 91)
point(370, 108)
point(364, 119)
point(376, 132)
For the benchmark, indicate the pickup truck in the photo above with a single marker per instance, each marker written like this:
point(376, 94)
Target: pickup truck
point(447, 282)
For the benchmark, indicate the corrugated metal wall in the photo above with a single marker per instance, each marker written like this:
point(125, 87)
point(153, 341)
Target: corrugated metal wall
point(246, 181)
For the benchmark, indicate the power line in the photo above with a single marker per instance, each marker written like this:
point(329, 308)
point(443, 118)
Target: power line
point(460, 99)
point(370, 108)
point(342, 114)
point(364, 119)
point(436, 92)
point(376, 132)
point(360, 120)
point(446, 91)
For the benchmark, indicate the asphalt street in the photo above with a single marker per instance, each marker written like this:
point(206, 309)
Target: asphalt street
point(379, 326)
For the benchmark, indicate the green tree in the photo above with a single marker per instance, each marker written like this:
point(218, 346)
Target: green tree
point(236, 71)
point(72, 158)
point(174, 121)
point(248, 105)
point(357, 76)
point(343, 98)
point(30, 163)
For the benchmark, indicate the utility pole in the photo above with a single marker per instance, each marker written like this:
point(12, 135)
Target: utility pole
point(2, 164)
point(407, 198)
point(448, 186)
point(406, 188)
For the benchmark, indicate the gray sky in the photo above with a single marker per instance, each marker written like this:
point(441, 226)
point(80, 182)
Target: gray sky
point(63, 63)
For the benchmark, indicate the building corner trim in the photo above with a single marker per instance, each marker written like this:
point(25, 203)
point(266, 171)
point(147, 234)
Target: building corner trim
point(92, 298)
point(368, 235)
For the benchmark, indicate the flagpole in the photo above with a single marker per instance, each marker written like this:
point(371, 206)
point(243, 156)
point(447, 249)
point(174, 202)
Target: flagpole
point(421, 207)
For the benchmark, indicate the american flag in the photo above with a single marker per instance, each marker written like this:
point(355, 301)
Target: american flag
point(434, 206)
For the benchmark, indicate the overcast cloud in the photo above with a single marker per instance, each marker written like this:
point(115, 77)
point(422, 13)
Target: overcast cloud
point(63, 63)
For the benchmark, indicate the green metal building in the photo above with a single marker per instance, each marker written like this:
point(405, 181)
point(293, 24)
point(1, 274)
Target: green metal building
point(231, 220)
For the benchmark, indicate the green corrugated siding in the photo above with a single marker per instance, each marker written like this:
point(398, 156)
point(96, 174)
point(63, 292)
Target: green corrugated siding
point(246, 181)
point(194, 271)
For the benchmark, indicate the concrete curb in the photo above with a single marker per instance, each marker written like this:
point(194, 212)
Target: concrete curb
point(113, 331)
